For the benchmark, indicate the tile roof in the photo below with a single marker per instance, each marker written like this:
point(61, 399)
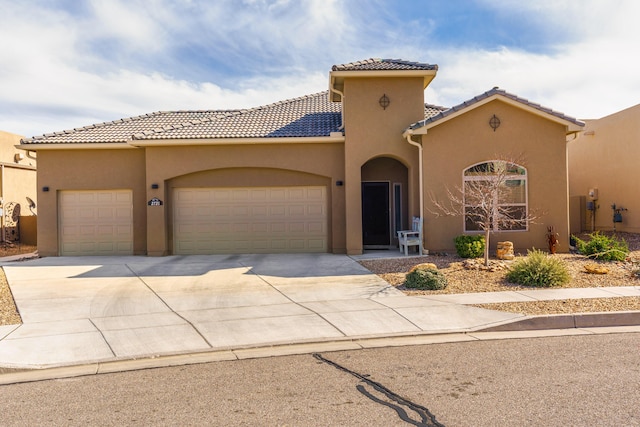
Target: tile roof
point(495, 91)
point(377, 64)
point(121, 130)
point(431, 110)
point(306, 116)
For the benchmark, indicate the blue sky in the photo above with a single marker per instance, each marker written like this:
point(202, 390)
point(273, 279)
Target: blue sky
point(71, 63)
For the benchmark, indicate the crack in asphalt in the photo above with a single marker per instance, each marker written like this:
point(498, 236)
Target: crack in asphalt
point(403, 407)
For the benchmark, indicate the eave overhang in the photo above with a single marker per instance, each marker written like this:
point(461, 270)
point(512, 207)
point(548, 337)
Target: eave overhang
point(137, 143)
point(336, 78)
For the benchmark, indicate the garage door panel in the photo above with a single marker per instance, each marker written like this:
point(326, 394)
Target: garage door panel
point(250, 220)
point(96, 222)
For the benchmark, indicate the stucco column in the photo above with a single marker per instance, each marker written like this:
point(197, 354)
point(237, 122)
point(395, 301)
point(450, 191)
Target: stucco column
point(156, 221)
point(353, 196)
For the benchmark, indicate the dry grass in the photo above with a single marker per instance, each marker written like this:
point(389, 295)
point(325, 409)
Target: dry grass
point(462, 280)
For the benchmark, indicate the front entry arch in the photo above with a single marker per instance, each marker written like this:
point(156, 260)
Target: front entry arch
point(384, 201)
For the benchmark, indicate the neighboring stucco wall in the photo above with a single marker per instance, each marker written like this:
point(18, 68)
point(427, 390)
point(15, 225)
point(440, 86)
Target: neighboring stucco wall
point(243, 165)
point(89, 169)
point(18, 177)
point(606, 157)
point(371, 132)
point(453, 146)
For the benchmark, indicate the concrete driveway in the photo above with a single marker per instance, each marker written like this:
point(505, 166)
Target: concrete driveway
point(86, 309)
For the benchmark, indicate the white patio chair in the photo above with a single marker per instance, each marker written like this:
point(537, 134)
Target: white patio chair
point(411, 237)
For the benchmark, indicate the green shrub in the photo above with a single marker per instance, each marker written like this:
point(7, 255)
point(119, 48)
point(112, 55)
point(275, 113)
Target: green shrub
point(539, 269)
point(603, 248)
point(426, 278)
point(469, 246)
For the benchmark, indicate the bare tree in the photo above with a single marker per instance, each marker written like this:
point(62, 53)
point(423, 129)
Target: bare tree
point(492, 198)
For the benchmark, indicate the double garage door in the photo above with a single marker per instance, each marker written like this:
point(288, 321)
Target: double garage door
point(95, 222)
point(250, 220)
point(205, 221)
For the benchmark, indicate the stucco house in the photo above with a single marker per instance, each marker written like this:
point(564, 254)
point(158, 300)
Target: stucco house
point(337, 171)
point(603, 161)
point(18, 192)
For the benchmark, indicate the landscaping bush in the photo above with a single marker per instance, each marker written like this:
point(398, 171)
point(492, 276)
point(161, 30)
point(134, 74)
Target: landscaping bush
point(426, 278)
point(539, 269)
point(603, 248)
point(469, 246)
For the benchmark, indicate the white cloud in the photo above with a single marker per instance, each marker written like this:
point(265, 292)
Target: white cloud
point(107, 60)
point(591, 75)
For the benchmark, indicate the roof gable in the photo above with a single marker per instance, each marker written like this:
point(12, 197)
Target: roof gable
point(421, 127)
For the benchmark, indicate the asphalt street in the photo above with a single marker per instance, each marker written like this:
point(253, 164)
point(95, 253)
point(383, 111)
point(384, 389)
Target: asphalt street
point(554, 381)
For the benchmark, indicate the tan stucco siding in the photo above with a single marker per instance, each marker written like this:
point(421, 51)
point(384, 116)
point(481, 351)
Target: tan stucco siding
point(372, 132)
point(605, 157)
point(18, 185)
point(89, 170)
point(243, 166)
point(17, 180)
point(455, 145)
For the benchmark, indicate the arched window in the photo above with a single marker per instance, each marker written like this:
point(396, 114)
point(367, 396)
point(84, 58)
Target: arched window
point(495, 197)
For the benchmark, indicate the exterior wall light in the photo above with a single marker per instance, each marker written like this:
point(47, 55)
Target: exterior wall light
point(154, 186)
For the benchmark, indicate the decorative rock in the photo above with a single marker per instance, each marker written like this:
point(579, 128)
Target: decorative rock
point(424, 266)
point(505, 250)
point(478, 264)
point(596, 269)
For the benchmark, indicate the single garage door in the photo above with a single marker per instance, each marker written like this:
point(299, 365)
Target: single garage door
point(250, 220)
point(96, 222)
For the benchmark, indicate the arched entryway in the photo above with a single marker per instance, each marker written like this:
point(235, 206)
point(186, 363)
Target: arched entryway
point(384, 201)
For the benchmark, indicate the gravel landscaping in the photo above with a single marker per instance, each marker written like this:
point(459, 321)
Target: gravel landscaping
point(8, 313)
point(464, 280)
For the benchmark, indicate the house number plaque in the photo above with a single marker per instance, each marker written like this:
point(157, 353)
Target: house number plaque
point(155, 202)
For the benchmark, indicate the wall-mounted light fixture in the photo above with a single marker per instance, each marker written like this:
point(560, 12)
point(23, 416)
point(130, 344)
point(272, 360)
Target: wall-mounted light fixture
point(494, 122)
point(339, 183)
point(384, 101)
point(155, 186)
point(45, 189)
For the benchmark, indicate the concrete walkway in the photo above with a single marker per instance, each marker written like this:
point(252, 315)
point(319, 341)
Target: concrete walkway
point(87, 310)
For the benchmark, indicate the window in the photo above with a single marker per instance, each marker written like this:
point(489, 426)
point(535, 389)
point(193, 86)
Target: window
point(495, 197)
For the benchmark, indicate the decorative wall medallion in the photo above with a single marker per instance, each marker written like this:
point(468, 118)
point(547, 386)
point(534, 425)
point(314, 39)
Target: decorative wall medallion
point(384, 101)
point(494, 122)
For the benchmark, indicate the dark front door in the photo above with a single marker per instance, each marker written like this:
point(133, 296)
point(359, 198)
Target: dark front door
point(375, 214)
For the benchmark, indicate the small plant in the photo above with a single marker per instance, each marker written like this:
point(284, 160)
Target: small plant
point(426, 278)
point(539, 269)
point(603, 248)
point(469, 246)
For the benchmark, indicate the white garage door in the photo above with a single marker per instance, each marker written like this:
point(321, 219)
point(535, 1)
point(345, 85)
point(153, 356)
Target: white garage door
point(250, 220)
point(96, 222)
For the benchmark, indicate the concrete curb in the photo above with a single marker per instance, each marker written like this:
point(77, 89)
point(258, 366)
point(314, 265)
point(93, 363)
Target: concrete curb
point(539, 326)
point(568, 321)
